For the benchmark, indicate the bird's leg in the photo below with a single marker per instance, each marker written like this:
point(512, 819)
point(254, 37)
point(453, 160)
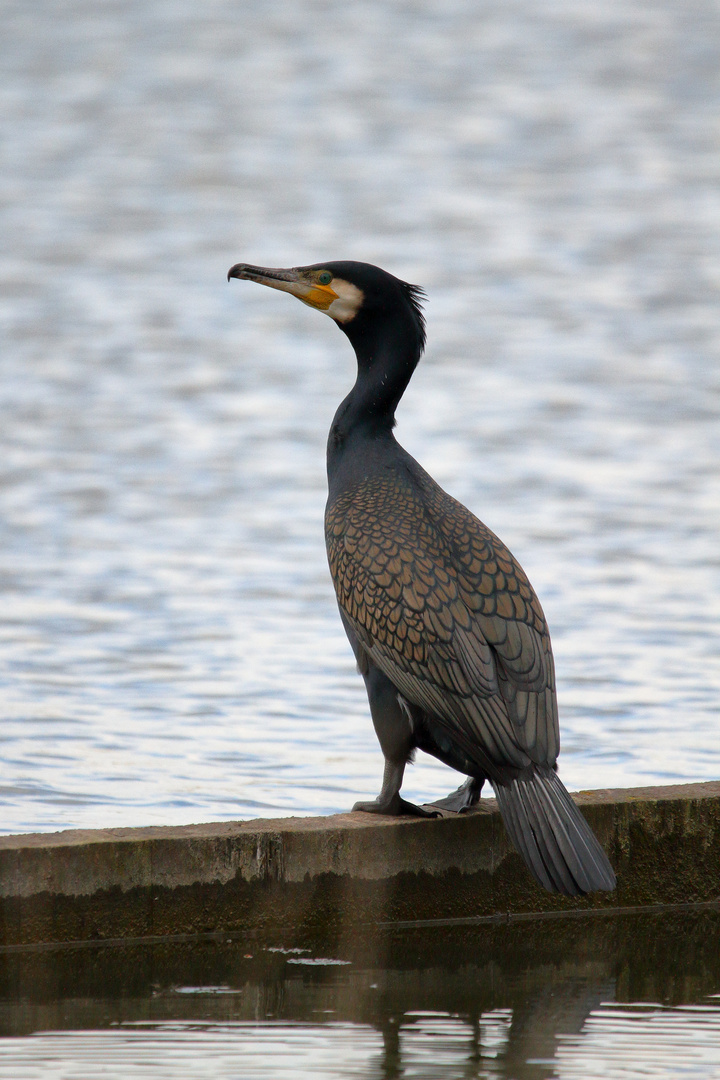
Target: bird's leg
point(395, 735)
point(461, 800)
point(389, 800)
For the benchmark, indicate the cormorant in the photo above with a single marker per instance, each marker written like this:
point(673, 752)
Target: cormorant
point(447, 631)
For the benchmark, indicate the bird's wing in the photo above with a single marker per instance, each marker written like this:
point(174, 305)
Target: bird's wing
point(444, 610)
point(507, 613)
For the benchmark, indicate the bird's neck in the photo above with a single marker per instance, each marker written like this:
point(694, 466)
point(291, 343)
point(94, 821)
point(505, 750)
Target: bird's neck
point(387, 354)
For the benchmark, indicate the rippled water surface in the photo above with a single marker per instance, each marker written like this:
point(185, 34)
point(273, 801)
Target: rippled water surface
point(646, 1043)
point(170, 646)
point(635, 997)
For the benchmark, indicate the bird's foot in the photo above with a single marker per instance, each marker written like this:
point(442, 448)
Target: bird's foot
point(394, 806)
point(460, 801)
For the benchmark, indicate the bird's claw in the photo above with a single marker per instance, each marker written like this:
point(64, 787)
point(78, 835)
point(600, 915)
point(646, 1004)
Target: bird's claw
point(395, 807)
point(462, 800)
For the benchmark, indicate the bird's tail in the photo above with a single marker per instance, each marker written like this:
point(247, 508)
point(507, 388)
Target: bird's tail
point(559, 847)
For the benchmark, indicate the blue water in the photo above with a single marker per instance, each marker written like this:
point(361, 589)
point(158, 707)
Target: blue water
point(170, 650)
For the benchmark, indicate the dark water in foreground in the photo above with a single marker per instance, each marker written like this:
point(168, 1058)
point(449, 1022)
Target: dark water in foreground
point(169, 644)
point(620, 997)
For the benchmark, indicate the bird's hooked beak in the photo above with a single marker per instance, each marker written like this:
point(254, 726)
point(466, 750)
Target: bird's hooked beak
point(299, 281)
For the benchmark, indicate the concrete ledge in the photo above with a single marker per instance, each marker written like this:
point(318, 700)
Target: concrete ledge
point(326, 872)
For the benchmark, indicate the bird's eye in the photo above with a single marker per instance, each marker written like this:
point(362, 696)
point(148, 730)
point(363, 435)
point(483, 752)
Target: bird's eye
point(325, 277)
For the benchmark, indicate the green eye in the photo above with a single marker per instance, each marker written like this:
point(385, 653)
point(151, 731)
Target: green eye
point(325, 277)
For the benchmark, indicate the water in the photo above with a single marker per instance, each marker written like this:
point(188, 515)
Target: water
point(607, 998)
point(171, 650)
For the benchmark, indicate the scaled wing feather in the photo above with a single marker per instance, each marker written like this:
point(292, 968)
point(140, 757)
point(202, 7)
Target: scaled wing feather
point(442, 607)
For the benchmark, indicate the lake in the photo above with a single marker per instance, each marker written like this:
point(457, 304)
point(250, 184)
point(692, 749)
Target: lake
point(170, 649)
point(602, 997)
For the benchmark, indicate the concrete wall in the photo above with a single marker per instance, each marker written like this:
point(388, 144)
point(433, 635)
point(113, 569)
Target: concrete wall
point(348, 869)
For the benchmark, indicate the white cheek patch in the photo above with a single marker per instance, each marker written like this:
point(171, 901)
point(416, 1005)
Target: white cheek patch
point(348, 303)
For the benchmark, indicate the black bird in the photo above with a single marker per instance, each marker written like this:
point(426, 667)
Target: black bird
point(447, 631)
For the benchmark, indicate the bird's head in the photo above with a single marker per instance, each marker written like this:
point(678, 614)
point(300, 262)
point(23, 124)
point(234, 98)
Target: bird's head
point(356, 295)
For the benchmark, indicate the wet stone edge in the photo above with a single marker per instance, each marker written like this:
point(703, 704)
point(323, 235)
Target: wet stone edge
point(320, 874)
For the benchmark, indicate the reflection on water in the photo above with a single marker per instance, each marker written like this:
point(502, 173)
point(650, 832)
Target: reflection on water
point(169, 645)
point(610, 997)
point(615, 1042)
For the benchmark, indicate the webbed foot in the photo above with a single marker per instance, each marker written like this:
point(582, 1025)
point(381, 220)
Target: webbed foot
point(394, 806)
point(460, 801)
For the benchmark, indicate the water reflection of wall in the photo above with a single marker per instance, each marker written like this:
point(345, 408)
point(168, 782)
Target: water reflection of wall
point(496, 998)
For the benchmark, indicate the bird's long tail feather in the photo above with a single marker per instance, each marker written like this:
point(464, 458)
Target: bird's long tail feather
point(553, 837)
